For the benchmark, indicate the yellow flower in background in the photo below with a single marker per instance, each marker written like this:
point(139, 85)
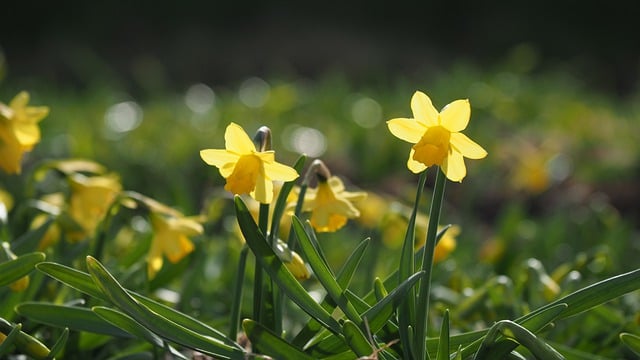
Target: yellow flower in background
point(297, 267)
point(19, 131)
point(90, 199)
point(171, 239)
point(394, 226)
point(331, 205)
point(247, 170)
point(437, 137)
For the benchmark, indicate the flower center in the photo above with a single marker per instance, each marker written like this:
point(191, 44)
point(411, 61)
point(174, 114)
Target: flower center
point(244, 176)
point(433, 147)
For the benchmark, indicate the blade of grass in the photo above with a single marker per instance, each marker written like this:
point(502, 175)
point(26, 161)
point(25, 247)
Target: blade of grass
point(59, 345)
point(443, 344)
point(24, 342)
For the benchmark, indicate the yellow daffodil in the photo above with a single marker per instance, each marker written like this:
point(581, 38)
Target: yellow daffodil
point(437, 137)
point(297, 267)
point(90, 199)
point(331, 205)
point(19, 131)
point(171, 238)
point(247, 170)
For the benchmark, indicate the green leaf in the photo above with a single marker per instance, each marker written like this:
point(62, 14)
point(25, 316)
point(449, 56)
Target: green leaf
point(323, 272)
point(24, 342)
point(343, 277)
point(271, 344)
point(406, 311)
point(59, 345)
point(15, 269)
point(632, 342)
point(594, 295)
point(76, 279)
point(73, 317)
point(510, 330)
point(7, 343)
point(281, 201)
point(533, 323)
point(155, 322)
point(268, 259)
point(443, 344)
point(356, 339)
point(128, 324)
point(82, 282)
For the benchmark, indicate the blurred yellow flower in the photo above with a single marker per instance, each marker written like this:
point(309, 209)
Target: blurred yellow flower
point(437, 136)
point(331, 205)
point(19, 131)
point(394, 227)
point(247, 170)
point(90, 199)
point(297, 267)
point(171, 238)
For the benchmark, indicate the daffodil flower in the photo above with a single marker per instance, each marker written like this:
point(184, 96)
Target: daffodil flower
point(247, 170)
point(90, 199)
point(170, 239)
point(331, 205)
point(437, 137)
point(19, 131)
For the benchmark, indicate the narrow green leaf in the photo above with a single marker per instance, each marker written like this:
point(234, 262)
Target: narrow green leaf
point(594, 295)
point(82, 282)
point(343, 277)
point(377, 316)
point(443, 345)
point(73, 317)
point(13, 270)
point(59, 345)
point(381, 312)
point(76, 279)
point(281, 201)
point(379, 289)
point(155, 322)
point(524, 337)
point(268, 259)
point(356, 339)
point(128, 324)
point(24, 342)
point(323, 272)
point(271, 344)
point(533, 323)
point(406, 311)
point(632, 342)
point(7, 343)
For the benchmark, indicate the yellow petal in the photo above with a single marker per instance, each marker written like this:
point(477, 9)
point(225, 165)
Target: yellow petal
point(405, 129)
point(423, 110)
point(467, 147)
point(19, 101)
point(244, 176)
point(278, 171)
point(237, 140)
point(218, 157)
point(415, 166)
point(178, 249)
point(455, 116)
point(453, 167)
point(36, 113)
point(263, 192)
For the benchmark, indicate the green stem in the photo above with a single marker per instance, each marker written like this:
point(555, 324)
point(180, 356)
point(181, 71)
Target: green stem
point(291, 242)
point(422, 306)
point(263, 220)
point(406, 311)
point(237, 293)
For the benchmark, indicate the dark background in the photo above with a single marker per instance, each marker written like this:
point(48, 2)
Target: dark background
point(73, 43)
